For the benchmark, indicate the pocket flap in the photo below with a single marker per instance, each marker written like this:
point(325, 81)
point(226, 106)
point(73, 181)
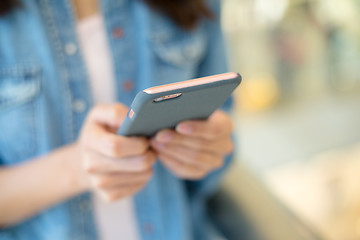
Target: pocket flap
point(18, 84)
point(176, 46)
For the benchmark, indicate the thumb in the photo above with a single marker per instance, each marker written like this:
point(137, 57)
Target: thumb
point(111, 115)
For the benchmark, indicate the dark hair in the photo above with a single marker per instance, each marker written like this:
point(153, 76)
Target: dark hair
point(185, 13)
point(8, 5)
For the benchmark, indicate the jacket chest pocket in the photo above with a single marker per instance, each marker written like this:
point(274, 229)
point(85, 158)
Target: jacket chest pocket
point(19, 87)
point(177, 52)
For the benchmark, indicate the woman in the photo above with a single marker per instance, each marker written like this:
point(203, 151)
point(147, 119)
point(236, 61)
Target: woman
point(68, 71)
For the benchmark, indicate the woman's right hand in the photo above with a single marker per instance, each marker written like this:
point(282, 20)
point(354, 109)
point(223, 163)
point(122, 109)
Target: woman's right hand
point(115, 166)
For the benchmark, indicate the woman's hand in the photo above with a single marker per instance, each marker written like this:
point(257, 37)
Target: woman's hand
point(195, 148)
point(116, 166)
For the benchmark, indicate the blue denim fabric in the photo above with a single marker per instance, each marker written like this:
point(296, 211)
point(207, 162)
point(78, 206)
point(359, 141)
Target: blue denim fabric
point(43, 78)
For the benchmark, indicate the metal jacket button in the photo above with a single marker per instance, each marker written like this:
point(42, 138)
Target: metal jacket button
point(79, 106)
point(70, 49)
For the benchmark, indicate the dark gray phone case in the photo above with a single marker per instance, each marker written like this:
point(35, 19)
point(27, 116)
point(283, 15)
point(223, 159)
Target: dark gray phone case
point(197, 102)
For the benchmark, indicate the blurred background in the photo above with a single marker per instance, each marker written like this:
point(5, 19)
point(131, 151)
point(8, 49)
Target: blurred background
point(298, 110)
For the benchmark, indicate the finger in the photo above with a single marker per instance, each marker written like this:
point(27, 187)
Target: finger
point(113, 194)
point(204, 160)
point(96, 163)
point(222, 146)
point(218, 125)
point(181, 169)
point(110, 180)
point(100, 140)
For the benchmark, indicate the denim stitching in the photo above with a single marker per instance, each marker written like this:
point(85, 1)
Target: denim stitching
point(19, 69)
point(47, 12)
point(80, 200)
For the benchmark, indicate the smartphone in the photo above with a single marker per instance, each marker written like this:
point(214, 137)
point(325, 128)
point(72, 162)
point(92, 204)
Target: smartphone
point(167, 105)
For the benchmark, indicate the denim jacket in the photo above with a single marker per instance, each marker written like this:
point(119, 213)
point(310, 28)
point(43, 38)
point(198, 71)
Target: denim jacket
point(45, 97)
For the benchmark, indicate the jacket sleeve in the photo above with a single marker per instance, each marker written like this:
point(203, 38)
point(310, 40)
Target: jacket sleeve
point(1, 161)
point(214, 62)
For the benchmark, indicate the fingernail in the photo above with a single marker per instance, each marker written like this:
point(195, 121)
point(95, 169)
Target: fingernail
point(164, 137)
point(185, 128)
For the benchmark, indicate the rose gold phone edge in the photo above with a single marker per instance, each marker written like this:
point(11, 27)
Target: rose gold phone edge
point(191, 83)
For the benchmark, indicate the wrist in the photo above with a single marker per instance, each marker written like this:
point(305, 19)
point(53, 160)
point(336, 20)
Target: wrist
point(76, 176)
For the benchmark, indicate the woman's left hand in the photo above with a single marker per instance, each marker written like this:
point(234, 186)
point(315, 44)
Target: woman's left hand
point(195, 148)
